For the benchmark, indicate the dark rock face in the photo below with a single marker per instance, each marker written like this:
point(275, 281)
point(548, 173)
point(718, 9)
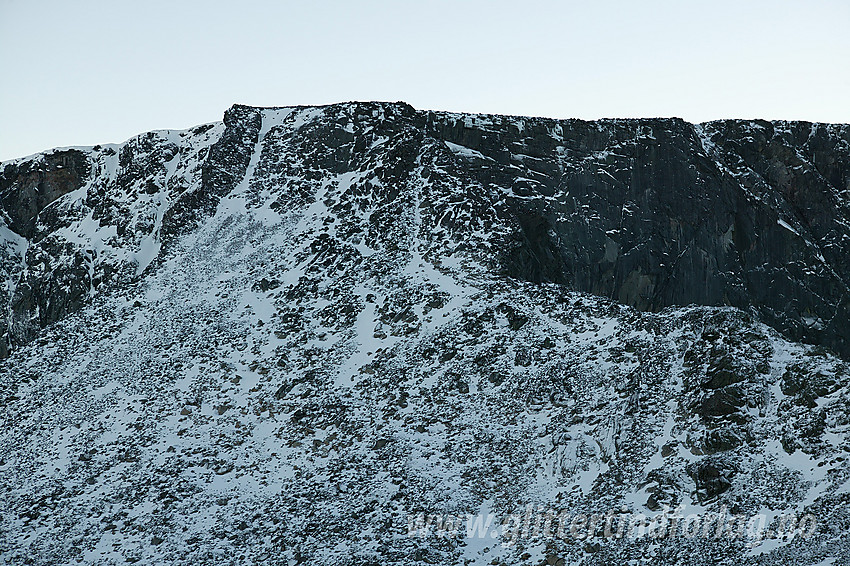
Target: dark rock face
point(651, 213)
point(27, 188)
point(654, 213)
point(224, 167)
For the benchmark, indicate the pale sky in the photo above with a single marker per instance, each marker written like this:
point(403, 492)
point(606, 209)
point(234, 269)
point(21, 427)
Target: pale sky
point(85, 72)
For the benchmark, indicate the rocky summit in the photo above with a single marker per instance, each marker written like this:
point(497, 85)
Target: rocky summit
point(367, 334)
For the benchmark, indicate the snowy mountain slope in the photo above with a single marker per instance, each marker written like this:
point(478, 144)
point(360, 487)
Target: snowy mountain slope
point(652, 213)
point(291, 331)
point(73, 233)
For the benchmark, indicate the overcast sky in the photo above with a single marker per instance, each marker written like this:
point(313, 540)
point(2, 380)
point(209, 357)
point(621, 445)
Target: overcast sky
point(85, 72)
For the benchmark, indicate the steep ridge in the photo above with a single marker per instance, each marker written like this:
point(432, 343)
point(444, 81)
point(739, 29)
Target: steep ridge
point(273, 339)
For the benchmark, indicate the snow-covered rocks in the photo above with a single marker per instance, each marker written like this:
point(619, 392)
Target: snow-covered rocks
point(297, 329)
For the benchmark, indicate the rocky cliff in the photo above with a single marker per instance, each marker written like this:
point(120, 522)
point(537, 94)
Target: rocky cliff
point(651, 213)
point(274, 338)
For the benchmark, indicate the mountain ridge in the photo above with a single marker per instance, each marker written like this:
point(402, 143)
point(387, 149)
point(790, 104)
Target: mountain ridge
point(278, 338)
point(605, 182)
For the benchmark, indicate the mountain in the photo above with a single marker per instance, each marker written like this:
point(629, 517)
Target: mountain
point(278, 338)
